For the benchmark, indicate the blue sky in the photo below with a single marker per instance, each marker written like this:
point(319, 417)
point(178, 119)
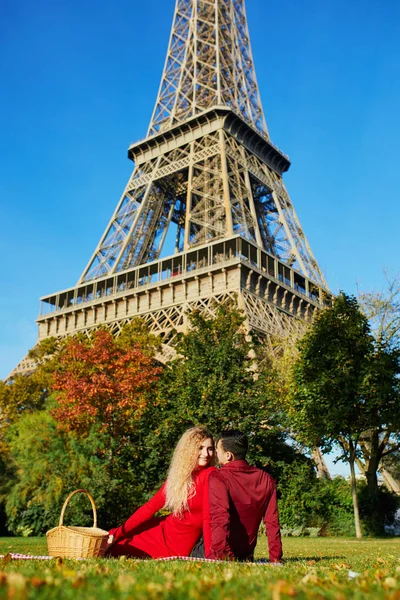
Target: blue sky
point(78, 85)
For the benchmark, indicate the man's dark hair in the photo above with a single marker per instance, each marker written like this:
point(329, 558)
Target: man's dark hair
point(236, 442)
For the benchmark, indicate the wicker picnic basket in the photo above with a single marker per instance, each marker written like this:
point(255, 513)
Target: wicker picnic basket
point(77, 542)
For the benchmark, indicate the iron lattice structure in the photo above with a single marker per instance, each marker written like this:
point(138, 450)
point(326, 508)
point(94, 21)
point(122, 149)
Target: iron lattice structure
point(209, 63)
point(207, 188)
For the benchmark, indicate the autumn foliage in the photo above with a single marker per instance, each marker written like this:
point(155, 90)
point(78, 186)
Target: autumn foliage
point(102, 382)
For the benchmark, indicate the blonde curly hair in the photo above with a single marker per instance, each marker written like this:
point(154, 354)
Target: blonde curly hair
point(180, 485)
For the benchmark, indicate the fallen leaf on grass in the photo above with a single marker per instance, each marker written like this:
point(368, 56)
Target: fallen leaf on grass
point(102, 570)
point(16, 580)
point(155, 587)
point(332, 577)
point(364, 585)
point(51, 580)
point(37, 582)
point(16, 586)
point(79, 581)
point(125, 582)
point(228, 574)
point(380, 574)
point(311, 577)
point(69, 574)
point(390, 582)
point(282, 588)
point(340, 566)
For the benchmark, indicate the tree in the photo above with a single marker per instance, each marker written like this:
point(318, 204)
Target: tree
point(216, 381)
point(278, 358)
point(87, 433)
point(51, 463)
point(381, 389)
point(326, 402)
point(389, 467)
point(136, 334)
point(382, 308)
point(212, 379)
point(23, 395)
point(102, 382)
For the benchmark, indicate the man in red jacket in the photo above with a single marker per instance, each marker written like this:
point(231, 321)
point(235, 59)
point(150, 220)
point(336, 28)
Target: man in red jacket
point(240, 497)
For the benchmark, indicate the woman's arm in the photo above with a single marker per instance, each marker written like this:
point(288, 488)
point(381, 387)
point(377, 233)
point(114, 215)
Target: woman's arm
point(206, 513)
point(145, 512)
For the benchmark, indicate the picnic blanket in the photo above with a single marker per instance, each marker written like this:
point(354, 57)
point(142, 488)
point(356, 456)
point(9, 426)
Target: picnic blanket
point(262, 561)
point(16, 556)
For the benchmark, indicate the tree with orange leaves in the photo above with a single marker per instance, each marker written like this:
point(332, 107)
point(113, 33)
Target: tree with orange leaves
point(102, 382)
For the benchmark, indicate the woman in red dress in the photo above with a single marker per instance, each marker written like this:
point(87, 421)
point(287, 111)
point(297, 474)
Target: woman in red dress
point(184, 493)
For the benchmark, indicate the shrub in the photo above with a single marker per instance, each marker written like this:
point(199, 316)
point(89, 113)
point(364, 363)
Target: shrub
point(52, 463)
point(307, 502)
point(378, 512)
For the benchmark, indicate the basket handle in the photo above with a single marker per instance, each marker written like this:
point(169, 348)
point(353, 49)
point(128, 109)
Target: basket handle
point(69, 498)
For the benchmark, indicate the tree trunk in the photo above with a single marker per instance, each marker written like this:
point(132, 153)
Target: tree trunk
point(392, 484)
point(362, 467)
point(354, 495)
point(373, 463)
point(322, 469)
point(374, 519)
point(390, 481)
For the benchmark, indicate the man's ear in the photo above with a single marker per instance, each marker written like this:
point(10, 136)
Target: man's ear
point(230, 456)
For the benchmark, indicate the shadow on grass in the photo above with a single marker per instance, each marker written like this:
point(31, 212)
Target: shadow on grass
point(294, 559)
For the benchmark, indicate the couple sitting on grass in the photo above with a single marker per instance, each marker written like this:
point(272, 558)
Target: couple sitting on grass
point(215, 513)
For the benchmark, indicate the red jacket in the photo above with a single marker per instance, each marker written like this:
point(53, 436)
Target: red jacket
point(165, 536)
point(240, 497)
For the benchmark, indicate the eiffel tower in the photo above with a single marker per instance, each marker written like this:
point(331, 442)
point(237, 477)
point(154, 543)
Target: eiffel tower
point(207, 185)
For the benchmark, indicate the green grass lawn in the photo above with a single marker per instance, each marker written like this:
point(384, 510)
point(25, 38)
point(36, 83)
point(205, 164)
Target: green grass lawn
point(314, 568)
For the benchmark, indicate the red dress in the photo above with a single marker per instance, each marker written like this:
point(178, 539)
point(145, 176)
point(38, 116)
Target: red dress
point(143, 535)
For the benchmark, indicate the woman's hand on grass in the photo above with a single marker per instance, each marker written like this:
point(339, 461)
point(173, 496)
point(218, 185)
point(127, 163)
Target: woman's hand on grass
point(110, 543)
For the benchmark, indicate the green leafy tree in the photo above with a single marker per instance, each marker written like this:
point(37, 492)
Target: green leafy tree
point(345, 390)
point(137, 334)
point(381, 390)
point(52, 463)
point(326, 403)
point(23, 395)
point(382, 309)
point(277, 359)
point(216, 380)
